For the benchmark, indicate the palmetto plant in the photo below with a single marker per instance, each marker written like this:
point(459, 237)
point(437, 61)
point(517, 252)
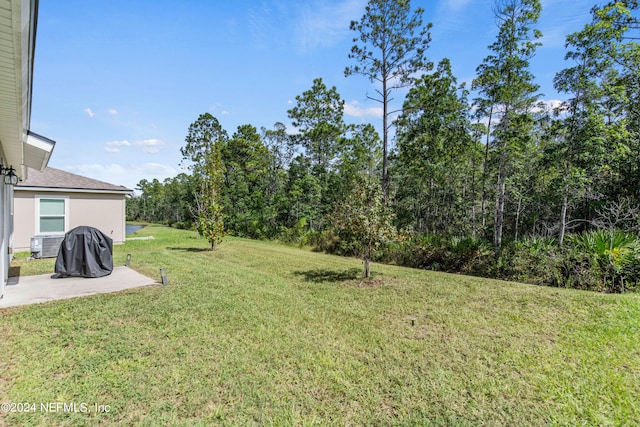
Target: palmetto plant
point(613, 250)
point(538, 245)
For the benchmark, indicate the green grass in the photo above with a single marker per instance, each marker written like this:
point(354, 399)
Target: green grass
point(262, 334)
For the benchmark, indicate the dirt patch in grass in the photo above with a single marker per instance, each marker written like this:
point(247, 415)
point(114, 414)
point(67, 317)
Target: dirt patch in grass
point(371, 282)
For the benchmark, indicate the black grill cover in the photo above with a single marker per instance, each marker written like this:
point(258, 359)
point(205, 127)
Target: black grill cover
point(85, 252)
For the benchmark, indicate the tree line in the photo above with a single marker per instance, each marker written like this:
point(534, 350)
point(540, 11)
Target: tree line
point(484, 180)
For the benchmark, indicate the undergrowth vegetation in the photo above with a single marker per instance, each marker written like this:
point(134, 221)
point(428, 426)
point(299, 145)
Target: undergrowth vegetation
point(598, 260)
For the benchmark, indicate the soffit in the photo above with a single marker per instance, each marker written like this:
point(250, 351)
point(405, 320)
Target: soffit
point(17, 31)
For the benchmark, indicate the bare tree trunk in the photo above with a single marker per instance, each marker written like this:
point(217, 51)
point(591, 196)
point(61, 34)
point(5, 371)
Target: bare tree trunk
point(565, 204)
point(385, 141)
point(484, 169)
point(447, 209)
point(500, 204)
point(367, 262)
point(502, 179)
point(563, 220)
point(473, 197)
point(518, 210)
point(427, 219)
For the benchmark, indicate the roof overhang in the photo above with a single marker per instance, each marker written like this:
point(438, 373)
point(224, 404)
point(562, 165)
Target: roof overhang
point(125, 192)
point(18, 22)
point(37, 151)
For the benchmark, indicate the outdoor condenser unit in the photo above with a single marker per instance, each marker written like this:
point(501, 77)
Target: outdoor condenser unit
point(45, 246)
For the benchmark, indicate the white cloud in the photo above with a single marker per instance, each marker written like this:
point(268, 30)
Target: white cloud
point(548, 104)
point(354, 109)
point(151, 146)
point(114, 146)
point(97, 171)
point(152, 141)
point(259, 27)
point(148, 171)
point(324, 24)
point(561, 18)
point(218, 108)
point(129, 175)
point(456, 5)
point(89, 112)
point(545, 105)
point(553, 103)
point(113, 111)
point(154, 169)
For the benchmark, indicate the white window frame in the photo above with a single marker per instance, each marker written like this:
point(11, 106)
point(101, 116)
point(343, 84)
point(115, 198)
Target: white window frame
point(66, 213)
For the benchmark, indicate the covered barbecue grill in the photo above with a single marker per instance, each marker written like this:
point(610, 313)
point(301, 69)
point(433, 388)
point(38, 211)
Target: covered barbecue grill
point(85, 252)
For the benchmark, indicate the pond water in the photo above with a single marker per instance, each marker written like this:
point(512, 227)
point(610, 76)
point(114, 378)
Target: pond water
point(130, 229)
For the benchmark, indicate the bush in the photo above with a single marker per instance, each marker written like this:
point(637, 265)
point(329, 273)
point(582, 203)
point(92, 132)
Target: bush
point(532, 260)
point(299, 234)
point(615, 253)
point(416, 251)
point(579, 270)
point(328, 241)
point(468, 255)
point(600, 260)
point(597, 260)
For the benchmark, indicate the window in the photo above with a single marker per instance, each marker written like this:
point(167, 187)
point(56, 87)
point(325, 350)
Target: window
point(52, 216)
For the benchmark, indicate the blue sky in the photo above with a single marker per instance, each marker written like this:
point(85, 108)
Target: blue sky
point(117, 83)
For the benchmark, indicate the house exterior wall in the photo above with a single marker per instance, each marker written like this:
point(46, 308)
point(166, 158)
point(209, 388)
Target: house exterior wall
point(6, 228)
point(104, 211)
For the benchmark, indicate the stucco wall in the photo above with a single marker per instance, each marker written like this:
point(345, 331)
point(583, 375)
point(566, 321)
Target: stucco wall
point(24, 220)
point(105, 212)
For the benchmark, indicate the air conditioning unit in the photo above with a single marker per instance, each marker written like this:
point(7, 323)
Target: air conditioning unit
point(46, 246)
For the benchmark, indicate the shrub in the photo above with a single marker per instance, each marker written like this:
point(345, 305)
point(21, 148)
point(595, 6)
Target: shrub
point(614, 253)
point(597, 260)
point(600, 260)
point(532, 260)
point(299, 234)
point(468, 255)
point(579, 270)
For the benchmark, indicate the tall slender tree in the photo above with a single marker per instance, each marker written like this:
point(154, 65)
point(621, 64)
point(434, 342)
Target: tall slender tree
point(246, 163)
point(434, 148)
point(318, 115)
point(204, 143)
point(389, 50)
point(600, 123)
point(280, 152)
point(507, 86)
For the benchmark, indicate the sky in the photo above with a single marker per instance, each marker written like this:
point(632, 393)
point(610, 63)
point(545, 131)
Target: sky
point(118, 82)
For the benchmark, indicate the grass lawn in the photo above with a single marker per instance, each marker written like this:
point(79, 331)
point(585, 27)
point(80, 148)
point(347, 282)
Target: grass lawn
point(262, 334)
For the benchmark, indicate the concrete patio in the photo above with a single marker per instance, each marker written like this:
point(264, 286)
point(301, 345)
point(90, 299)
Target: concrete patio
point(42, 288)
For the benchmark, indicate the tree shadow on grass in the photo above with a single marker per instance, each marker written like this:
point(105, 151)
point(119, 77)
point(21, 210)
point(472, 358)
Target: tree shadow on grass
point(190, 249)
point(323, 275)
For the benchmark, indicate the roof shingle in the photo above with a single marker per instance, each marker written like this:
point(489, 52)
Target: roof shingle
point(56, 178)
